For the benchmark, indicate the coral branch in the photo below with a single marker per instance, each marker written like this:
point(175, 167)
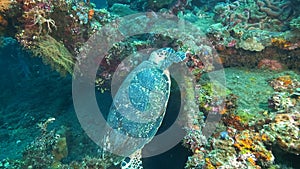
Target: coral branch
point(39, 18)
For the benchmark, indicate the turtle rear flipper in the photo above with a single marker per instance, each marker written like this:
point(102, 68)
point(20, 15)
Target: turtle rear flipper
point(133, 162)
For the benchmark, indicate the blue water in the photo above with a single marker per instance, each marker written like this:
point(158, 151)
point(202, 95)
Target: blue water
point(100, 3)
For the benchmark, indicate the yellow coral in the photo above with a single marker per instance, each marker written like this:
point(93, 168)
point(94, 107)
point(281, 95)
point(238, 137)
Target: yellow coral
point(281, 42)
point(286, 80)
point(209, 164)
point(252, 161)
point(251, 142)
point(243, 141)
point(265, 137)
point(278, 40)
point(5, 4)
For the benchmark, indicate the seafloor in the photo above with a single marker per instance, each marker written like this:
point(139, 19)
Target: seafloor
point(255, 43)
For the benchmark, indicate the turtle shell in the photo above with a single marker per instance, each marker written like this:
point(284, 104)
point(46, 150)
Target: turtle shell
point(138, 108)
point(146, 86)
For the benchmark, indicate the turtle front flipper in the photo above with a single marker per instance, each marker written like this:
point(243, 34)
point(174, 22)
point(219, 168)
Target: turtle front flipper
point(133, 162)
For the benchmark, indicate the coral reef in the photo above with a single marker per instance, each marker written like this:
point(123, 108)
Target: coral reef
point(49, 149)
point(241, 149)
point(250, 142)
point(251, 25)
point(260, 34)
point(67, 24)
point(284, 128)
point(244, 139)
point(285, 83)
point(281, 43)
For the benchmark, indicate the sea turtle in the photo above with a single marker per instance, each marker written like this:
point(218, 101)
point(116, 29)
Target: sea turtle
point(139, 107)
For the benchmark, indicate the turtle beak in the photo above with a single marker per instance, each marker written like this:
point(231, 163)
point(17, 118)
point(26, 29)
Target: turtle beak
point(180, 56)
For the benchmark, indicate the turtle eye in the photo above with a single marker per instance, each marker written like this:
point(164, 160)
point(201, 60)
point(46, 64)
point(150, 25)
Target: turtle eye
point(163, 53)
point(160, 54)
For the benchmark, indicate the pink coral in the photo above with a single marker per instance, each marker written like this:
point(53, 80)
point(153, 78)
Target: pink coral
point(270, 64)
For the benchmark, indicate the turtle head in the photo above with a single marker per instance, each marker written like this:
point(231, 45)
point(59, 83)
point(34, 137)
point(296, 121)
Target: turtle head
point(158, 56)
point(165, 57)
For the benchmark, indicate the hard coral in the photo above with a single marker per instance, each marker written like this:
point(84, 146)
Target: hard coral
point(293, 119)
point(208, 164)
point(286, 97)
point(276, 8)
point(249, 25)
